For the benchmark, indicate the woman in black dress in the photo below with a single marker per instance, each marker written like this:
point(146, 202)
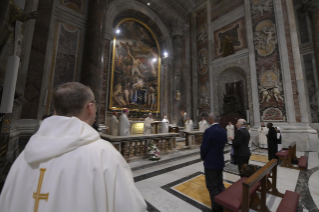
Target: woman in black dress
point(272, 142)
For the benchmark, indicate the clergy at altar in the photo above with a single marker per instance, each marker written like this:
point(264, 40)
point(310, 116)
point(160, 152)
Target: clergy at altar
point(165, 123)
point(188, 125)
point(230, 131)
point(148, 124)
point(114, 125)
point(124, 125)
point(203, 124)
point(262, 136)
point(66, 166)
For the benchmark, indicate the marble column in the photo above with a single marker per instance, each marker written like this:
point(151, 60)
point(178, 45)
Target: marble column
point(93, 54)
point(167, 97)
point(178, 81)
point(312, 7)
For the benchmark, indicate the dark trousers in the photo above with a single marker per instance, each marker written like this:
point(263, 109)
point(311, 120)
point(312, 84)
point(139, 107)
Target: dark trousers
point(240, 161)
point(215, 185)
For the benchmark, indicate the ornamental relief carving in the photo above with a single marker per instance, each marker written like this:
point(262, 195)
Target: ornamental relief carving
point(265, 38)
point(270, 85)
point(259, 7)
point(202, 62)
point(273, 114)
point(201, 34)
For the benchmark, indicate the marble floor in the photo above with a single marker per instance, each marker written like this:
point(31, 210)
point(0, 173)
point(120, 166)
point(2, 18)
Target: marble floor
point(176, 183)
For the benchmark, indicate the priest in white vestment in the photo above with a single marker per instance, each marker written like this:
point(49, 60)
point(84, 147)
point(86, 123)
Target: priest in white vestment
point(230, 132)
point(125, 125)
point(148, 124)
point(203, 125)
point(165, 124)
point(67, 167)
point(114, 125)
point(188, 125)
point(262, 136)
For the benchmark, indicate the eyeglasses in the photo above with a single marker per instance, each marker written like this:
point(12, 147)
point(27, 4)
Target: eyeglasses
point(96, 104)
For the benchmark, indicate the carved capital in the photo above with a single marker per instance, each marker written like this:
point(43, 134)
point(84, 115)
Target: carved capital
point(311, 5)
point(167, 61)
point(178, 27)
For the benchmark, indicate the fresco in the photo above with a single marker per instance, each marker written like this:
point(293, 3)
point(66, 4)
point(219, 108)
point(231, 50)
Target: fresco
point(135, 81)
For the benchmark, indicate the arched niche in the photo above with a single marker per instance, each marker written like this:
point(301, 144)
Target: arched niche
point(229, 75)
point(120, 9)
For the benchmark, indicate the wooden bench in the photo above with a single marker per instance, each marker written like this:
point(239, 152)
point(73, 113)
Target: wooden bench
point(242, 195)
point(287, 155)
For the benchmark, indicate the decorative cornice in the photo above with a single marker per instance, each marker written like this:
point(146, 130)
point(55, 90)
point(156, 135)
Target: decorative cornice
point(178, 27)
point(311, 5)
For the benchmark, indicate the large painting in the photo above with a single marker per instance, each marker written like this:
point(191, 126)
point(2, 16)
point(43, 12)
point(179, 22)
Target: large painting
point(135, 81)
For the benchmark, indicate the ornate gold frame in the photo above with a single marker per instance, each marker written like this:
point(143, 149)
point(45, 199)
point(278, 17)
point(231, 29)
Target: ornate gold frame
point(159, 68)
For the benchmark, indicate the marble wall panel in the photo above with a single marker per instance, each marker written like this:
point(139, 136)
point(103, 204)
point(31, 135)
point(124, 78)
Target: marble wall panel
point(291, 62)
point(76, 5)
point(202, 63)
point(105, 85)
point(236, 31)
point(269, 74)
point(312, 95)
point(37, 60)
point(66, 54)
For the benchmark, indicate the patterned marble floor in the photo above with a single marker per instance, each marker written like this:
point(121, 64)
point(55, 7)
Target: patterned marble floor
point(177, 182)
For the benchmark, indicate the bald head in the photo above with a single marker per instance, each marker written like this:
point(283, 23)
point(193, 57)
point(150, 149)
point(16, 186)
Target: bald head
point(71, 98)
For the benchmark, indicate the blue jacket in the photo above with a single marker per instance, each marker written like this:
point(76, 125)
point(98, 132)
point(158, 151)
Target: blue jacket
point(212, 148)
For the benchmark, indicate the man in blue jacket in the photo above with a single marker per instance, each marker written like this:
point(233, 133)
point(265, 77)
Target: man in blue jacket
point(212, 153)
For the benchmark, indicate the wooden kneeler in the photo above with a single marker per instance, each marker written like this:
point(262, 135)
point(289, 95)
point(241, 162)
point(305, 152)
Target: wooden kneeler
point(287, 157)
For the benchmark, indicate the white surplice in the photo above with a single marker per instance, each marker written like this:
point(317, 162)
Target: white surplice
point(165, 123)
point(148, 126)
point(262, 138)
point(124, 125)
point(203, 125)
point(80, 173)
point(189, 126)
point(114, 126)
point(230, 132)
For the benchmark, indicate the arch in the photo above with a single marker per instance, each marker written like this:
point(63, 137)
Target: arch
point(118, 6)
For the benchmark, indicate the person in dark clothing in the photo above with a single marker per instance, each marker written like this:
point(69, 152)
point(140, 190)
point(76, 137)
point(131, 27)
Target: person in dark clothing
point(240, 144)
point(272, 142)
point(212, 153)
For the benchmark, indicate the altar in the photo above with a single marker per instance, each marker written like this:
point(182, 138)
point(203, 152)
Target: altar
point(137, 127)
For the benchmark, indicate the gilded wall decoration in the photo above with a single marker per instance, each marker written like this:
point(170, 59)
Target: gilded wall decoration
point(76, 5)
point(259, 7)
point(201, 34)
point(203, 96)
point(265, 38)
point(232, 35)
point(202, 61)
point(135, 81)
point(273, 114)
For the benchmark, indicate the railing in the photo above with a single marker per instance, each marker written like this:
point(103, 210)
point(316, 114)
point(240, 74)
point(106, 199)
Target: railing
point(135, 146)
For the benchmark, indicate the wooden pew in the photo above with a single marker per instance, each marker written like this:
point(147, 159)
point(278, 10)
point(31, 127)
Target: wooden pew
point(287, 155)
point(242, 194)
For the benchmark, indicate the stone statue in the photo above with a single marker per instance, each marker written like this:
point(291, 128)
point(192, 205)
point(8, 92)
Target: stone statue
point(232, 105)
point(10, 13)
point(261, 6)
point(228, 46)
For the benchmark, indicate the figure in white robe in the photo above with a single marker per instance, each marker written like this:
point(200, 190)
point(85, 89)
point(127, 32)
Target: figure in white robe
point(124, 126)
point(188, 125)
point(249, 130)
point(203, 125)
point(262, 136)
point(148, 124)
point(66, 166)
point(230, 132)
point(114, 125)
point(165, 124)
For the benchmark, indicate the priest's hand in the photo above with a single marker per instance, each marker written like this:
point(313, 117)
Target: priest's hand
point(231, 138)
